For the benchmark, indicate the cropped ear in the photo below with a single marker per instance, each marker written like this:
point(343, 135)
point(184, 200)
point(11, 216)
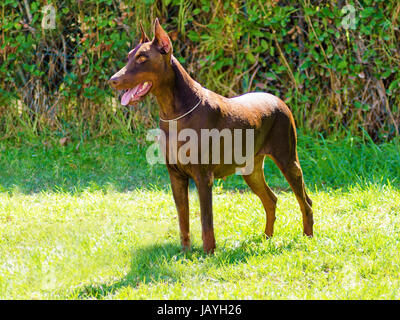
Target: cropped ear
point(143, 38)
point(161, 39)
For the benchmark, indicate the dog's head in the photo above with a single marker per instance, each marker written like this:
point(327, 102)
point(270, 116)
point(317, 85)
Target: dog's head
point(146, 68)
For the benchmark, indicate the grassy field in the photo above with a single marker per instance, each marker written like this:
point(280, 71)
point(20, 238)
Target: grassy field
point(94, 220)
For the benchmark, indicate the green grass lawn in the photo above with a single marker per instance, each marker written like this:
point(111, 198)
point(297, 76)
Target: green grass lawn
point(98, 222)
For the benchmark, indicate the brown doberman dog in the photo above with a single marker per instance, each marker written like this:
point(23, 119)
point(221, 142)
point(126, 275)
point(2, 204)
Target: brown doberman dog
point(151, 67)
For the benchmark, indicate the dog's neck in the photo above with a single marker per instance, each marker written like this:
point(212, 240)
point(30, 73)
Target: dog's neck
point(179, 93)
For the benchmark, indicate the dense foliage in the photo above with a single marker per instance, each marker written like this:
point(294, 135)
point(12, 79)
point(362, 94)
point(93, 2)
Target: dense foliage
point(336, 66)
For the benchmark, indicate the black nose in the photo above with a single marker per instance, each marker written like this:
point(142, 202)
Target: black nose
point(113, 82)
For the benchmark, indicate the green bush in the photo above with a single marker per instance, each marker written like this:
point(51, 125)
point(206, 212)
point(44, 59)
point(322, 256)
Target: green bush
point(335, 79)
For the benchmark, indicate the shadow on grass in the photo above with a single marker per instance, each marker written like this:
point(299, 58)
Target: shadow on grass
point(148, 265)
point(122, 166)
point(155, 263)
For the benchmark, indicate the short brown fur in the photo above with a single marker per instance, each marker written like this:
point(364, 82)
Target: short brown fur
point(177, 93)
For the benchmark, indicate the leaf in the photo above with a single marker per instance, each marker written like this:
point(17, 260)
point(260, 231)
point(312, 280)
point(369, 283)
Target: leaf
point(367, 12)
point(250, 57)
point(264, 44)
point(194, 36)
point(342, 64)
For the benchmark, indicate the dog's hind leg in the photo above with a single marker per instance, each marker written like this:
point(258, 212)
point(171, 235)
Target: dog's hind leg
point(256, 182)
point(283, 150)
point(294, 175)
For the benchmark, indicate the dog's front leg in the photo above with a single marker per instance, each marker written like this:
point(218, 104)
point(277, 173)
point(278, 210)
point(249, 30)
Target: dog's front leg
point(204, 183)
point(180, 192)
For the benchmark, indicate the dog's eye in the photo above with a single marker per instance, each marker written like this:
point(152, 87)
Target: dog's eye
point(141, 59)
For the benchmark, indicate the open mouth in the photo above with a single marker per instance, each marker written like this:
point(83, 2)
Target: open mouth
point(135, 94)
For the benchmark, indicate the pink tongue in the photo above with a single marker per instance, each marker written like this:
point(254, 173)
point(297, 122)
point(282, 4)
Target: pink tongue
point(128, 96)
